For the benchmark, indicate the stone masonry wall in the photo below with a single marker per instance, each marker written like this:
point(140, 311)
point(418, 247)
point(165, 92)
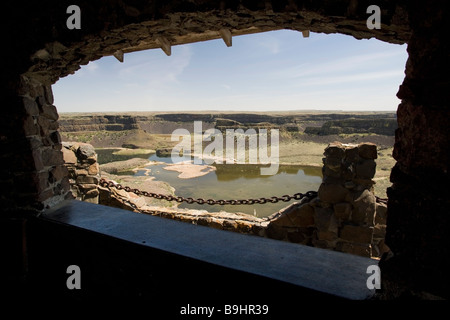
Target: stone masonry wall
point(346, 215)
point(81, 162)
point(32, 174)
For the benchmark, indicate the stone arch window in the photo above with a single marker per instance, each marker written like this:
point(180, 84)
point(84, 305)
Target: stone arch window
point(84, 177)
point(418, 197)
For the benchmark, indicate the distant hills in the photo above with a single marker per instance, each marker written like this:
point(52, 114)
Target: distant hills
point(319, 123)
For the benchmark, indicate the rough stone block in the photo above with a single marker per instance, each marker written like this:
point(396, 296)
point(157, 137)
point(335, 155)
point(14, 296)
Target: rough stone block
point(31, 106)
point(333, 164)
point(366, 169)
point(276, 232)
point(69, 156)
point(91, 200)
point(215, 223)
point(51, 157)
point(49, 112)
point(55, 137)
point(93, 169)
point(44, 125)
point(91, 193)
point(379, 231)
point(364, 250)
point(85, 151)
point(282, 220)
point(81, 172)
point(167, 215)
point(356, 234)
point(185, 218)
point(323, 244)
point(367, 150)
point(325, 219)
point(349, 184)
point(328, 172)
point(351, 154)
point(303, 216)
point(48, 94)
point(326, 235)
point(29, 126)
point(332, 193)
point(229, 225)
point(380, 213)
point(342, 210)
point(58, 173)
point(296, 237)
point(334, 150)
point(348, 171)
point(364, 183)
point(364, 208)
point(87, 179)
point(45, 195)
point(243, 226)
point(88, 186)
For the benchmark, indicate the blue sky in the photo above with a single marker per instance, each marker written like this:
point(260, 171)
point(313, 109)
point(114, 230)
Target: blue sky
point(272, 71)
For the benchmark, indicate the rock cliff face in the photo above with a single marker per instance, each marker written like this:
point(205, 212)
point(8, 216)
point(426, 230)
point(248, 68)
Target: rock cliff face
point(98, 122)
point(348, 126)
point(332, 123)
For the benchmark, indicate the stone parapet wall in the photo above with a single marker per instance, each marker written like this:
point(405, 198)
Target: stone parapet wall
point(222, 220)
point(346, 215)
point(81, 162)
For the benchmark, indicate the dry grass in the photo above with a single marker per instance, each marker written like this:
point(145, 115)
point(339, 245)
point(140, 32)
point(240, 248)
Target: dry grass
point(302, 152)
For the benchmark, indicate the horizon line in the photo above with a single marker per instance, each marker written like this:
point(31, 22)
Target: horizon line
point(229, 111)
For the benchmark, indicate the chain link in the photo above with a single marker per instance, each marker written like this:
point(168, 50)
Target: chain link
point(285, 198)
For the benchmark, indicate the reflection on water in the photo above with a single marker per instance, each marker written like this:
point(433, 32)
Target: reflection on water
point(238, 181)
point(226, 172)
point(108, 155)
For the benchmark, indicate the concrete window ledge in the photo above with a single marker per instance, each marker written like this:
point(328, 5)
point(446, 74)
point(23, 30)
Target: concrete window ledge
point(197, 257)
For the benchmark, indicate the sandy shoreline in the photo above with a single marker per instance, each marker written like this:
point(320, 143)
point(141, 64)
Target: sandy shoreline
point(189, 170)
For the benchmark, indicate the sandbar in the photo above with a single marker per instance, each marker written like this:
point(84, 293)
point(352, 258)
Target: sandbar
point(189, 170)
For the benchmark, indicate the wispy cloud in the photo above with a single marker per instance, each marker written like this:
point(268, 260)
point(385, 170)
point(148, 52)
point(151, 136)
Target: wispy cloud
point(347, 64)
point(346, 78)
point(270, 44)
point(152, 68)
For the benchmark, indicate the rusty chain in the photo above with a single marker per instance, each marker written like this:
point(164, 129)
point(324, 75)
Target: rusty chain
point(285, 198)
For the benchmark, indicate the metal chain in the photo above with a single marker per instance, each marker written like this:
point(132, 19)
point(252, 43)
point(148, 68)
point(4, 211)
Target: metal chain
point(298, 196)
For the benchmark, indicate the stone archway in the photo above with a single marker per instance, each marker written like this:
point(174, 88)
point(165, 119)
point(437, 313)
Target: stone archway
point(150, 26)
point(418, 199)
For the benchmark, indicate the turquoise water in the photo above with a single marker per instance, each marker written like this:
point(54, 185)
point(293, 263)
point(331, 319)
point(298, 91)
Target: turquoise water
point(233, 181)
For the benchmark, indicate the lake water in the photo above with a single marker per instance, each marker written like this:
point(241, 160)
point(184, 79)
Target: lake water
point(232, 181)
